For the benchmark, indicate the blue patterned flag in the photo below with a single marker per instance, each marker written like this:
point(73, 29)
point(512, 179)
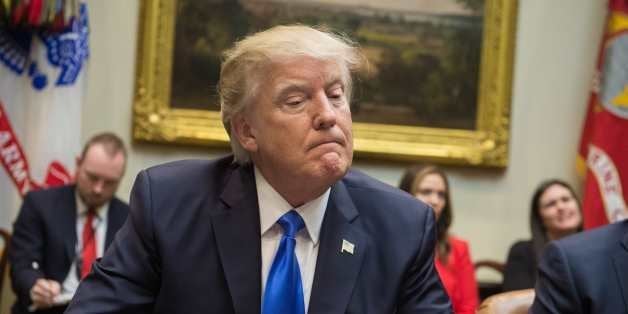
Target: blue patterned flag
point(42, 77)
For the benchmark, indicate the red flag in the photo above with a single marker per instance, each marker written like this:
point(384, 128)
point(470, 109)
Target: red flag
point(604, 142)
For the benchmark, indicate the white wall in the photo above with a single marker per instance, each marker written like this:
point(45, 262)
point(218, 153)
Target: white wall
point(556, 48)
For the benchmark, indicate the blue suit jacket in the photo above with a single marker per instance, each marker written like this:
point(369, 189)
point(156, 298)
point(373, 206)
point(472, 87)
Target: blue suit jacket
point(44, 239)
point(192, 245)
point(585, 273)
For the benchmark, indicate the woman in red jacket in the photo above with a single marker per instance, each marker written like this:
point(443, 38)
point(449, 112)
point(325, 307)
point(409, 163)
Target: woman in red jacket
point(452, 259)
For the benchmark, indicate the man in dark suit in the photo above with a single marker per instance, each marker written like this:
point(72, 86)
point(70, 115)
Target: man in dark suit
point(283, 226)
point(60, 231)
point(585, 273)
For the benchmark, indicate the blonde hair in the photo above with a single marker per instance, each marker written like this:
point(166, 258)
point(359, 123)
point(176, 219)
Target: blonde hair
point(243, 66)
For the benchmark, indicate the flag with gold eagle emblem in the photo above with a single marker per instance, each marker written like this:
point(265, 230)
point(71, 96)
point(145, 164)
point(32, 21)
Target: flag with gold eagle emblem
point(604, 143)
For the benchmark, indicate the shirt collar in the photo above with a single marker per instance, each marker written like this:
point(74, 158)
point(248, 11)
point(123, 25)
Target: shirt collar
point(272, 206)
point(81, 208)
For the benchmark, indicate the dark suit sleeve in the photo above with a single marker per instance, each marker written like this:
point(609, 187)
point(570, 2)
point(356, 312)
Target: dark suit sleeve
point(422, 291)
point(517, 272)
point(25, 254)
point(555, 289)
point(126, 279)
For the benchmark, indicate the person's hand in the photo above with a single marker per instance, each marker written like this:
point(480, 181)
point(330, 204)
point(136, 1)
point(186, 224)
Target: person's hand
point(43, 293)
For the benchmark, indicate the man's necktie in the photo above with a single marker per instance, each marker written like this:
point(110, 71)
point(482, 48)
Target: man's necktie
point(284, 290)
point(89, 244)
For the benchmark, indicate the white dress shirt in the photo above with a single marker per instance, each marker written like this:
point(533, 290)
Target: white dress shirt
point(271, 207)
point(99, 224)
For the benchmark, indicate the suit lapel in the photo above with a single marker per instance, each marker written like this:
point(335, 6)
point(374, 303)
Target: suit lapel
point(67, 221)
point(237, 231)
point(620, 260)
point(337, 271)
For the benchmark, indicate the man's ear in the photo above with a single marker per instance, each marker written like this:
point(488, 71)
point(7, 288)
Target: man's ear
point(243, 132)
point(79, 160)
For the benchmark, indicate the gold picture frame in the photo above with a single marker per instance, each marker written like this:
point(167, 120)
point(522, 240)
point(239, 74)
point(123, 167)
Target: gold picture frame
point(154, 120)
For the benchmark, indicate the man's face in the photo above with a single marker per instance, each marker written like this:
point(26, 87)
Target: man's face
point(98, 175)
point(298, 128)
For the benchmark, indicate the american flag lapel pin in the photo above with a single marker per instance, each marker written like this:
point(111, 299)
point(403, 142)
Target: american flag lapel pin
point(347, 247)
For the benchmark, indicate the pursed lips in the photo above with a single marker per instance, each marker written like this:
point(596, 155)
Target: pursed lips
point(327, 141)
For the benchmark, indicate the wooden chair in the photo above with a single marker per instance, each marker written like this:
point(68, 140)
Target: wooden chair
point(513, 302)
point(4, 257)
point(489, 288)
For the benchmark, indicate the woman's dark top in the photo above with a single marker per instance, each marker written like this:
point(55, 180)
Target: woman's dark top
point(520, 269)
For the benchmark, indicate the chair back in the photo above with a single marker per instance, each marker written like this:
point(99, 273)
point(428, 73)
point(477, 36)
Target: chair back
point(512, 302)
point(489, 288)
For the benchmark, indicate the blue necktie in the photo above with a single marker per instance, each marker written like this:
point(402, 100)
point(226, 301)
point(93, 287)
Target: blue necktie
point(284, 291)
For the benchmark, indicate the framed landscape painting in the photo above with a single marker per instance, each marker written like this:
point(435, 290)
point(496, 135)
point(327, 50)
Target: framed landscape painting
point(438, 86)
